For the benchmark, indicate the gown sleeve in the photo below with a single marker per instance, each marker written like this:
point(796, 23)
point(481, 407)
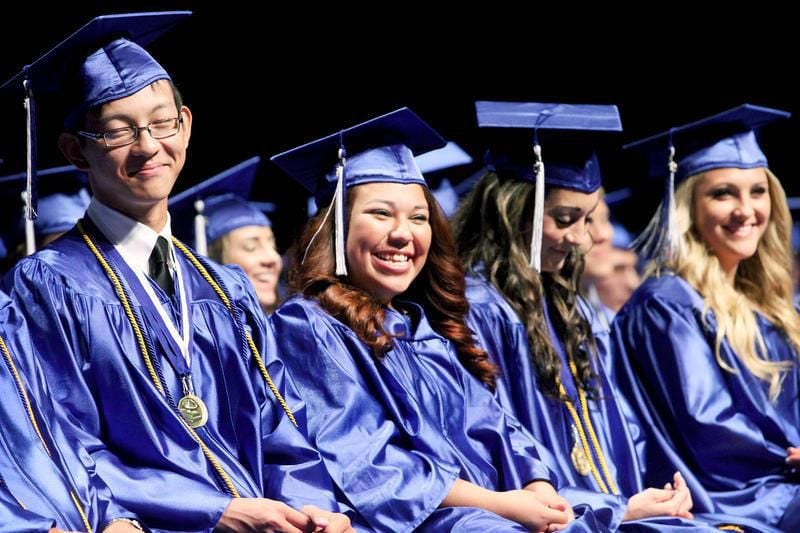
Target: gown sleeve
point(293, 469)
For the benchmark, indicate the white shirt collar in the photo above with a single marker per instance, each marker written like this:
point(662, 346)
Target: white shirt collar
point(133, 240)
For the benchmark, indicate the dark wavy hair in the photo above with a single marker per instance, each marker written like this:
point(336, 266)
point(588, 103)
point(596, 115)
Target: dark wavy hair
point(439, 289)
point(492, 229)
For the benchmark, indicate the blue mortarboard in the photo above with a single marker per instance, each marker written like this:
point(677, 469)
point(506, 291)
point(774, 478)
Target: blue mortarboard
point(449, 156)
point(58, 212)
point(447, 197)
point(566, 160)
point(101, 62)
point(219, 205)
point(228, 212)
point(435, 161)
point(379, 150)
point(724, 140)
point(63, 200)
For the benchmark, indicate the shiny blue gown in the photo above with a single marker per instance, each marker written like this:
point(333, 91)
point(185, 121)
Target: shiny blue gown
point(40, 468)
point(132, 431)
point(618, 432)
point(396, 434)
point(719, 426)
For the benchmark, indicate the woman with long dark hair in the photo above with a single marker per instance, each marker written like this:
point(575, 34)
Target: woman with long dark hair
point(398, 391)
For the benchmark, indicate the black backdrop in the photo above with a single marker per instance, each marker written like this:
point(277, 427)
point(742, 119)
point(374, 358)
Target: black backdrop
point(261, 78)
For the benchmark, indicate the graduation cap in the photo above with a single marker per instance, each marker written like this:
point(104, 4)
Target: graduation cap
point(566, 159)
point(435, 161)
point(102, 61)
point(63, 200)
point(218, 205)
point(379, 150)
point(724, 140)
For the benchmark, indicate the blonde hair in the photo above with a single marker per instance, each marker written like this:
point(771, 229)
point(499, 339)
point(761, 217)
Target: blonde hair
point(761, 280)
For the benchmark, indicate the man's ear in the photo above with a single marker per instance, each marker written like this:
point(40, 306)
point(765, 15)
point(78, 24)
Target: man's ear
point(70, 146)
point(186, 114)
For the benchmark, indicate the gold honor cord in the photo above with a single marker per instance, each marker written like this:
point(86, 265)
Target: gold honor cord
point(592, 435)
point(25, 400)
point(146, 356)
point(222, 296)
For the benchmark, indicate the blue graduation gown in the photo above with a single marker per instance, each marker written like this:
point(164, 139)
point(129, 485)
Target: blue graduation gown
point(719, 426)
point(621, 440)
point(41, 471)
point(396, 434)
point(142, 449)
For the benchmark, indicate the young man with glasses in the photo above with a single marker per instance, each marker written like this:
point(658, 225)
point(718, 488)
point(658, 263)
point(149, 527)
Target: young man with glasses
point(164, 361)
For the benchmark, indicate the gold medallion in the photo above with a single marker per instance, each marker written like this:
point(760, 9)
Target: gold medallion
point(579, 460)
point(193, 410)
point(578, 454)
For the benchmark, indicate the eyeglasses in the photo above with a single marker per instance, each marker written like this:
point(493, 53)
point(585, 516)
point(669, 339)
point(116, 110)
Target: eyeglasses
point(158, 129)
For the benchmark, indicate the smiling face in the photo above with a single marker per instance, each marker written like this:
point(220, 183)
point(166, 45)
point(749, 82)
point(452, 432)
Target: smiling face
point(731, 211)
point(388, 237)
point(253, 248)
point(133, 178)
point(567, 219)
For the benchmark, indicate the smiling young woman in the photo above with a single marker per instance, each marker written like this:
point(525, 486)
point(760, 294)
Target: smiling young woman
point(707, 347)
point(399, 394)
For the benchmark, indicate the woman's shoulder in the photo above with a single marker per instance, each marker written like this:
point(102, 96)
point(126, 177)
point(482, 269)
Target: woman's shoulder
point(298, 306)
point(669, 289)
point(485, 299)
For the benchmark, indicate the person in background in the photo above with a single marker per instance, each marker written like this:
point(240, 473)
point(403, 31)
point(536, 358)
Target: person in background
point(236, 231)
point(63, 199)
point(609, 275)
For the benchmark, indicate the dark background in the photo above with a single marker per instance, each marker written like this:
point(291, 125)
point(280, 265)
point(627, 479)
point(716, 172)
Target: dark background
point(261, 78)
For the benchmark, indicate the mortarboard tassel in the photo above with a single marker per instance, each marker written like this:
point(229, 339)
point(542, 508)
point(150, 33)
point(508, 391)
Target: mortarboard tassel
point(338, 198)
point(200, 243)
point(538, 210)
point(29, 196)
point(660, 241)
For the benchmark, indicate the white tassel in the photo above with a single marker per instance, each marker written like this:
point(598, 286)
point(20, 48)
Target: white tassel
point(538, 211)
point(672, 237)
point(200, 242)
point(660, 241)
point(27, 196)
point(30, 233)
point(338, 198)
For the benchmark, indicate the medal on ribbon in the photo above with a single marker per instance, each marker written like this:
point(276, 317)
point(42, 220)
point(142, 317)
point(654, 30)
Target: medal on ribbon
point(578, 455)
point(191, 406)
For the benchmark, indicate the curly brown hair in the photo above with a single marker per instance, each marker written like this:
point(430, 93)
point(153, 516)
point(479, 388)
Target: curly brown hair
point(439, 289)
point(492, 229)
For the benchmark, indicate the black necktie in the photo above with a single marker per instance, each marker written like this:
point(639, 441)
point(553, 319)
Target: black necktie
point(159, 267)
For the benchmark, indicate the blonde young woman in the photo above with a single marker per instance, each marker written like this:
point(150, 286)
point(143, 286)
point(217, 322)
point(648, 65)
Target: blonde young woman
point(707, 346)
